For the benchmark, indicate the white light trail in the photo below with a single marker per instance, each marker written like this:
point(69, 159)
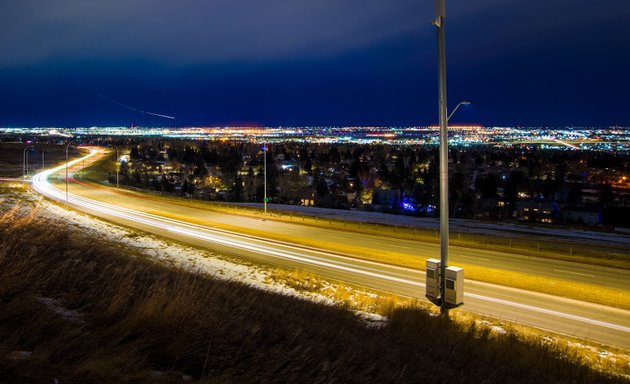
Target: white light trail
point(551, 312)
point(291, 256)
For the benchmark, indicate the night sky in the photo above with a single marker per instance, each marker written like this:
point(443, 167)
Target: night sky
point(312, 62)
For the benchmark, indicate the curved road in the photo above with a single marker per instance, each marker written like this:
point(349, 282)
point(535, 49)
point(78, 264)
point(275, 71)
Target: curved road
point(576, 318)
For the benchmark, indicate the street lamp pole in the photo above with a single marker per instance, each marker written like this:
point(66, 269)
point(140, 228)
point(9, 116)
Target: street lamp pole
point(440, 16)
point(43, 163)
point(265, 183)
point(25, 162)
point(116, 165)
point(67, 146)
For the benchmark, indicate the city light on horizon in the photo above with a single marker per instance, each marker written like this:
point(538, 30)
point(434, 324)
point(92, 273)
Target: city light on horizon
point(615, 139)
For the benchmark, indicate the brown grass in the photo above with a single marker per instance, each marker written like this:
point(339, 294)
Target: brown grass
point(139, 322)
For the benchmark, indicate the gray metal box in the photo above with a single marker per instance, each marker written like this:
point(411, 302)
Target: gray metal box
point(454, 286)
point(433, 279)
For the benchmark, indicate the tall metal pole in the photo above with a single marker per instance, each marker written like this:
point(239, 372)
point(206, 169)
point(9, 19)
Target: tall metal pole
point(265, 192)
point(116, 165)
point(25, 162)
point(440, 15)
point(43, 153)
point(67, 145)
point(67, 172)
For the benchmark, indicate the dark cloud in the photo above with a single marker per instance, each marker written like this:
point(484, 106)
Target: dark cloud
point(197, 31)
point(294, 62)
point(192, 31)
point(488, 30)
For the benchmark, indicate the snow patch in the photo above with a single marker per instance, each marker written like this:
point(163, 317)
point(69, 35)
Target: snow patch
point(372, 320)
point(57, 308)
point(179, 256)
point(497, 329)
point(20, 355)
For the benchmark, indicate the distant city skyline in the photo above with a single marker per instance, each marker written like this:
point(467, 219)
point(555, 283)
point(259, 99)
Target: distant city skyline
point(300, 63)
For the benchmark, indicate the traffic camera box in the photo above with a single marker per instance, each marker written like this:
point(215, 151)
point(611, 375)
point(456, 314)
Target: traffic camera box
point(454, 286)
point(433, 279)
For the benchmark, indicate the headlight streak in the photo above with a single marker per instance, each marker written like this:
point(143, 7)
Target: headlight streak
point(290, 255)
point(550, 312)
point(249, 243)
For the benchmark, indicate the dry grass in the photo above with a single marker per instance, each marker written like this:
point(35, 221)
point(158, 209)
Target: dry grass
point(345, 295)
point(91, 315)
point(359, 299)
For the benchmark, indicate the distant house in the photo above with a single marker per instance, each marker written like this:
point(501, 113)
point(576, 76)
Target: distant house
point(582, 215)
point(534, 212)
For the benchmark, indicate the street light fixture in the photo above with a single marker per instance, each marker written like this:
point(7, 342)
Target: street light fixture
point(67, 146)
point(455, 109)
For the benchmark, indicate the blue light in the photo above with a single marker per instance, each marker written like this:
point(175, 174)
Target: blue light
point(408, 205)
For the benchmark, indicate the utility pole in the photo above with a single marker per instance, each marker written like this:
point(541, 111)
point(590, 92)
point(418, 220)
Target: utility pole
point(265, 183)
point(444, 284)
point(116, 165)
point(25, 162)
point(440, 16)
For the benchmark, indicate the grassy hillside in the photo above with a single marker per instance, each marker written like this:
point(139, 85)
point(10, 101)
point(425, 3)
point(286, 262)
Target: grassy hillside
point(82, 312)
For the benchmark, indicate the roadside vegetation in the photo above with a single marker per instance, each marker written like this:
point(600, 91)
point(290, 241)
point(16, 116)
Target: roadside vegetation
point(77, 311)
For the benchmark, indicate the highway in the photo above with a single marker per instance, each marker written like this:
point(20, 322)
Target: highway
point(599, 323)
